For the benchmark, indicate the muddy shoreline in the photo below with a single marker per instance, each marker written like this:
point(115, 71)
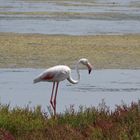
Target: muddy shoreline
point(41, 51)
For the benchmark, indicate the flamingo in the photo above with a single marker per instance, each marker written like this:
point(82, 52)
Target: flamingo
point(59, 73)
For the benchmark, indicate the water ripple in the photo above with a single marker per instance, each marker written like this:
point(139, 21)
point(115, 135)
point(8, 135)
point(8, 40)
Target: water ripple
point(96, 89)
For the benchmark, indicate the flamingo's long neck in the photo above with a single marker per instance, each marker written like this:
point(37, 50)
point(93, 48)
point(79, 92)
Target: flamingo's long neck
point(70, 79)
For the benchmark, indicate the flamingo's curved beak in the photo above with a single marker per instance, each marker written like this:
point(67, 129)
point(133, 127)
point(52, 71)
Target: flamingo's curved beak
point(89, 68)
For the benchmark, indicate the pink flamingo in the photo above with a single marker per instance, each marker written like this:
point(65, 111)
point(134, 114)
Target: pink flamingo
point(59, 73)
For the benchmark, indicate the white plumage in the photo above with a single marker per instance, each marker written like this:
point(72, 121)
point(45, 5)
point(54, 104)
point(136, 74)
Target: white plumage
point(59, 73)
point(54, 74)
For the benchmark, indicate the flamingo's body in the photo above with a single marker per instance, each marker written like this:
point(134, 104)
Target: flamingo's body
point(59, 73)
point(54, 74)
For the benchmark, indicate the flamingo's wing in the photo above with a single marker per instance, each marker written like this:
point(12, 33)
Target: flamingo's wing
point(44, 76)
point(47, 76)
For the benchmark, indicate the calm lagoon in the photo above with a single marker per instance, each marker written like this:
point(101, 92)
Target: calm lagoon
point(113, 85)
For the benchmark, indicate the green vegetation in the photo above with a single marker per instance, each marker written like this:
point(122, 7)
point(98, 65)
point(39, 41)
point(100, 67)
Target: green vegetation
point(87, 123)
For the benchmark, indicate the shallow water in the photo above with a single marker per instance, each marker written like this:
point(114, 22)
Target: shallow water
point(114, 86)
point(65, 27)
point(87, 27)
point(125, 6)
point(123, 17)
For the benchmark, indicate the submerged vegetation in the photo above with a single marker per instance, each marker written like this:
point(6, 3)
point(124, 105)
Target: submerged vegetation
point(70, 15)
point(86, 123)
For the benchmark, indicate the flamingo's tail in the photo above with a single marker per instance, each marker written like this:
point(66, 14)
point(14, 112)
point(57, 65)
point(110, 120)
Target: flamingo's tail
point(36, 80)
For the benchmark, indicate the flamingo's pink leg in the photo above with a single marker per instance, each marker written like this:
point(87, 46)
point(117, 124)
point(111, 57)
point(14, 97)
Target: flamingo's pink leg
point(55, 98)
point(52, 96)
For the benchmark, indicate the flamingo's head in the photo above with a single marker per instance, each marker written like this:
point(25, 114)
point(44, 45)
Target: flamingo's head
point(85, 62)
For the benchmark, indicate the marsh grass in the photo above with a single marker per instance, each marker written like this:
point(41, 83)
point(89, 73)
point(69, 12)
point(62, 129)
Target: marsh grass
point(18, 120)
point(86, 123)
point(36, 51)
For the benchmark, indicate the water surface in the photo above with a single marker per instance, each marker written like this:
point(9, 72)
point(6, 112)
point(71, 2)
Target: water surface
point(114, 86)
point(111, 17)
point(90, 27)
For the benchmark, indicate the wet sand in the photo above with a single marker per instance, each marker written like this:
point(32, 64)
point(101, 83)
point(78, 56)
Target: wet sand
point(42, 51)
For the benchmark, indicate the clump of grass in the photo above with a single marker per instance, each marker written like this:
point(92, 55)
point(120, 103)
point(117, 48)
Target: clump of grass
point(86, 123)
point(18, 120)
point(101, 123)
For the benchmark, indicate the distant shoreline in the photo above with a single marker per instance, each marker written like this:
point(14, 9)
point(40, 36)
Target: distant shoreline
point(41, 51)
